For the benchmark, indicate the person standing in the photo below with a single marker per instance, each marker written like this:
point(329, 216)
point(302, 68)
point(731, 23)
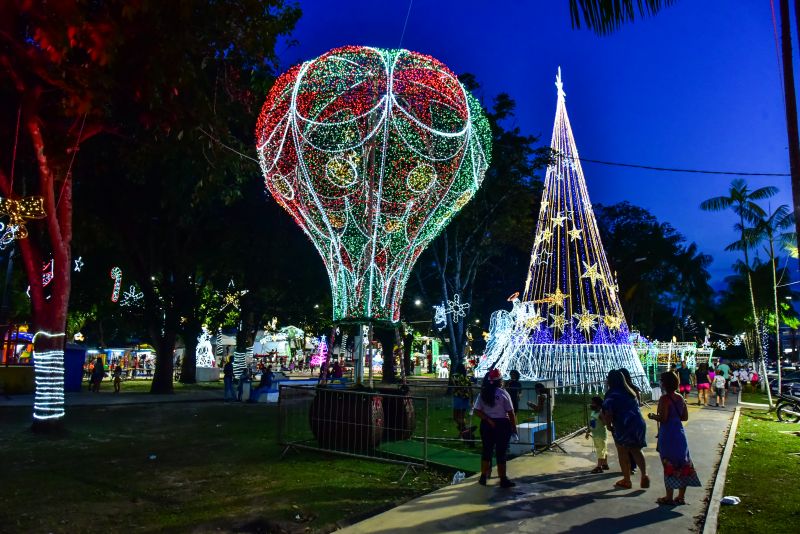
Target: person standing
point(622, 416)
point(462, 398)
point(117, 377)
point(673, 448)
point(227, 378)
point(597, 430)
point(498, 423)
point(719, 389)
point(703, 384)
point(98, 372)
point(685, 377)
point(514, 388)
point(725, 370)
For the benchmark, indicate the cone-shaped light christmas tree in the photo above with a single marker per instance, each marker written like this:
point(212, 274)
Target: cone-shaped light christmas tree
point(569, 326)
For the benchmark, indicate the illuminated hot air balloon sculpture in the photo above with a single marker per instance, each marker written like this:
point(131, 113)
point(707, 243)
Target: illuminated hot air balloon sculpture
point(372, 152)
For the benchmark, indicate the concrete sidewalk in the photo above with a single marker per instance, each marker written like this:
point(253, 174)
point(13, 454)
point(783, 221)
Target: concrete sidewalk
point(556, 493)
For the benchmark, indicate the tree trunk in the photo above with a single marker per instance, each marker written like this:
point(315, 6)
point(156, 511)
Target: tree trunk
point(790, 98)
point(387, 338)
point(777, 319)
point(165, 350)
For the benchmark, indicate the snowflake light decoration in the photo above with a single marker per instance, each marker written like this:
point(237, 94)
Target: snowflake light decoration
point(372, 152)
point(456, 309)
point(737, 340)
point(131, 297)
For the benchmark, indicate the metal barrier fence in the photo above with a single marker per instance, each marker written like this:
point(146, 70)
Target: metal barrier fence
point(411, 428)
point(384, 425)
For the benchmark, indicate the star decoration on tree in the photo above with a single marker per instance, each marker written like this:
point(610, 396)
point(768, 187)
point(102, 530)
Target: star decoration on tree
point(456, 308)
point(559, 321)
point(546, 235)
point(613, 322)
point(558, 220)
point(575, 234)
point(535, 320)
point(591, 273)
point(79, 264)
point(544, 205)
point(586, 321)
point(557, 298)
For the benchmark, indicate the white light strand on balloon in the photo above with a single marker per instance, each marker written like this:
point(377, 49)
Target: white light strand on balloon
point(116, 275)
point(49, 375)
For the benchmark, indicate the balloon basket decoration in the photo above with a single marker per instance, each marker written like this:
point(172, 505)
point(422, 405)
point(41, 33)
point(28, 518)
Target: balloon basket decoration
point(347, 420)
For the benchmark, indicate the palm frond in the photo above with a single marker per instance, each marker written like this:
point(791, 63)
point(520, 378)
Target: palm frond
point(606, 16)
point(716, 204)
point(764, 192)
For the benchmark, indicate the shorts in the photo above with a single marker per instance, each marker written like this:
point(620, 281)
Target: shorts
point(601, 447)
point(685, 388)
point(704, 386)
point(460, 403)
point(720, 392)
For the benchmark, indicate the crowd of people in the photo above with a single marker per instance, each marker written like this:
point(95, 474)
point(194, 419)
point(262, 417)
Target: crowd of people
point(617, 414)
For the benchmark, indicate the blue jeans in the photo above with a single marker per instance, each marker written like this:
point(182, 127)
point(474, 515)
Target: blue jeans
point(229, 393)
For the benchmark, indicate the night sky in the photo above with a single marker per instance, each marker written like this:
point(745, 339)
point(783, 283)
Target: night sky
point(697, 86)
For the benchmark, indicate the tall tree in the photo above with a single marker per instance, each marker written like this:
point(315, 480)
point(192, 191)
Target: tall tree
point(606, 16)
point(184, 105)
point(772, 228)
point(479, 238)
point(741, 200)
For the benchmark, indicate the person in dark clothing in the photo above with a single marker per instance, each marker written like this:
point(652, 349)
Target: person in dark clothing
point(703, 382)
point(685, 376)
point(227, 378)
point(514, 388)
point(267, 378)
point(98, 372)
point(498, 423)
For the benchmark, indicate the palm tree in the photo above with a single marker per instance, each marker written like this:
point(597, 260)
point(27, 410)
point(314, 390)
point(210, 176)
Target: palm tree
point(606, 16)
point(741, 199)
point(771, 228)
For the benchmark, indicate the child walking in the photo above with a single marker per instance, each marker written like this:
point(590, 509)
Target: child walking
point(117, 377)
point(597, 429)
point(719, 388)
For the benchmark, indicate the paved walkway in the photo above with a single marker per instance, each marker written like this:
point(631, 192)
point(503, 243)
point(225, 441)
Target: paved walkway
point(555, 492)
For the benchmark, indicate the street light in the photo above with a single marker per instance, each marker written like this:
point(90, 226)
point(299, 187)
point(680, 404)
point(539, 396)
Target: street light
point(477, 321)
point(417, 302)
point(316, 306)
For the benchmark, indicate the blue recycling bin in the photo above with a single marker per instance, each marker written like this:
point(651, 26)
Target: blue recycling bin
point(74, 358)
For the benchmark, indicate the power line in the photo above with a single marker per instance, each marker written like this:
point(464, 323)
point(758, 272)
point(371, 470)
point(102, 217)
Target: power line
point(671, 169)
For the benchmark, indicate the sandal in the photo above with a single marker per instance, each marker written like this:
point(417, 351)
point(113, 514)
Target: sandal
point(664, 501)
point(596, 470)
point(645, 482)
point(679, 500)
point(623, 484)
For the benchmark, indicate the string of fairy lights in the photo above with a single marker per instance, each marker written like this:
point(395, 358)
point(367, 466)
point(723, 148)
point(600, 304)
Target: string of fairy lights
point(372, 152)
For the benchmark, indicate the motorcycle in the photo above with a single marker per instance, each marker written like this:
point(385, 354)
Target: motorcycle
point(788, 408)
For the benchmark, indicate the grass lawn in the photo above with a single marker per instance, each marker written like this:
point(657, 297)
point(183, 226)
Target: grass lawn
point(755, 396)
point(764, 472)
point(143, 386)
point(214, 466)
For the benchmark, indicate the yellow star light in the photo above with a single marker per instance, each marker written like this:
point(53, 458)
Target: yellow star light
point(544, 205)
point(534, 320)
point(557, 298)
point(546, 235)
point(585, 321)
point(613, 322)
point(591, 273)
point(559, 321)
point(558, 220)
point(575, 234)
